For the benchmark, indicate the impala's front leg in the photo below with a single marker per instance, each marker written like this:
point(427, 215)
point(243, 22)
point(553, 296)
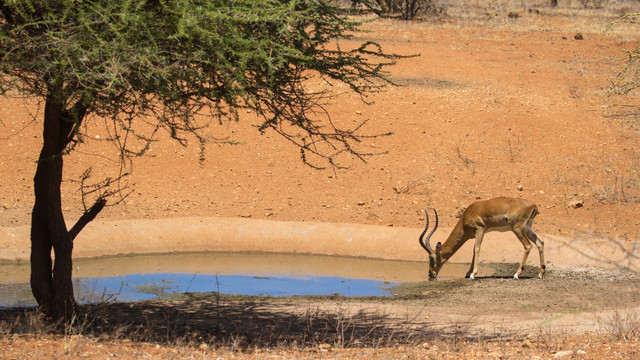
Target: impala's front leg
point(473, 269)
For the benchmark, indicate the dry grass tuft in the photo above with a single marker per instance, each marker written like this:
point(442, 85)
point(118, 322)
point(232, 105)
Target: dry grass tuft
point(622, 325)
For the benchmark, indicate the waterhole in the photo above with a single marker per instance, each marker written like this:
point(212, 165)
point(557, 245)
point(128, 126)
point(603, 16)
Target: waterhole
point(140, 277)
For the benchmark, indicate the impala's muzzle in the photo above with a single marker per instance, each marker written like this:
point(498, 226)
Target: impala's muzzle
point(433, 273)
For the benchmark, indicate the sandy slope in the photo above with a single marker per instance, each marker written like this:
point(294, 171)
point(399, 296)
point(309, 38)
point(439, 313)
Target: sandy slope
point(369, 241)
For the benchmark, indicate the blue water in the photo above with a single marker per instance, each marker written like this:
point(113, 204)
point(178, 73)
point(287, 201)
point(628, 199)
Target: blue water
point(136, 287)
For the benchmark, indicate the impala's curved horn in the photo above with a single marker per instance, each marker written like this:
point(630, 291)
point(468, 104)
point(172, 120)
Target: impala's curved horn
point(426, 242)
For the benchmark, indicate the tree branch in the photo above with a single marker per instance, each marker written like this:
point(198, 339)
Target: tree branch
point(73, 119)
point(87, 217)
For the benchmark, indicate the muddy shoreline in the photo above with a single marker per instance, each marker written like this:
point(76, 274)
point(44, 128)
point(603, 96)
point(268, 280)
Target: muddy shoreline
point(197, 234)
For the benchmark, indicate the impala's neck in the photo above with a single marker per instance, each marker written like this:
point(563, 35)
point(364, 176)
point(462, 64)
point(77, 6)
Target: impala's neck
point(456, 239)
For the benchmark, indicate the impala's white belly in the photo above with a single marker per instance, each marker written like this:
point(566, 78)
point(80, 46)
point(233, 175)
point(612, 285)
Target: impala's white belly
point(498, 229)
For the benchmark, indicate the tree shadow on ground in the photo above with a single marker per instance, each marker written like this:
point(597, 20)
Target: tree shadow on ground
point(250, 323)
point(242, 324)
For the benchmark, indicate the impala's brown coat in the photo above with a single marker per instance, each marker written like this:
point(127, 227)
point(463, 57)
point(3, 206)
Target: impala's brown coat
point(497, 214)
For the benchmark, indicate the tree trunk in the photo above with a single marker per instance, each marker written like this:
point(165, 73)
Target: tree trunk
point(51, 281)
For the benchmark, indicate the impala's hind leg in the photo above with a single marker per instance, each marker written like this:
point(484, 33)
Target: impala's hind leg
point(533, 238)
point(527, 248)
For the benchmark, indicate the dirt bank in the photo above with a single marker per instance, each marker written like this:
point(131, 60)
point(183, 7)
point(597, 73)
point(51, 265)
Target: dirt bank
point(103, 238)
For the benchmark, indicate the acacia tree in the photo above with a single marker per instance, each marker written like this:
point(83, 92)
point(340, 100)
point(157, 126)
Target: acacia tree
point(162, 63)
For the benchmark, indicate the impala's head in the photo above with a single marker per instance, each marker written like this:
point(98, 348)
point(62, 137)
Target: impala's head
point(435, 260)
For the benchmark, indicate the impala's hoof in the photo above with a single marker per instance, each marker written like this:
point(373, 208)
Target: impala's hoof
point(516, 277)
point(543, 269)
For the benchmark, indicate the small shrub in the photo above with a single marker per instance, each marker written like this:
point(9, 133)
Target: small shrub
point(592, 4)
point(408, 9)
point(623, 325)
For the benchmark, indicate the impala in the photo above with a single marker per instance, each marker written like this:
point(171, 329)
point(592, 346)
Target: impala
point(498, 214)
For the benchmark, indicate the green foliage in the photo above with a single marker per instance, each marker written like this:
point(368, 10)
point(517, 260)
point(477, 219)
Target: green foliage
point(143, 60)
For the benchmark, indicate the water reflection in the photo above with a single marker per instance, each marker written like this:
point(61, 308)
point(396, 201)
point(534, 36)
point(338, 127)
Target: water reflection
point(136, 287)
point(131, 278)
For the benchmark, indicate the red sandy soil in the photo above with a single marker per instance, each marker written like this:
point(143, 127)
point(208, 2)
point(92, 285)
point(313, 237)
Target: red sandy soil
point(483, 112)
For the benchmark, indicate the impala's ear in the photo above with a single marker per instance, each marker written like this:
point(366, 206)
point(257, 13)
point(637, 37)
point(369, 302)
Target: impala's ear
point(438, 246)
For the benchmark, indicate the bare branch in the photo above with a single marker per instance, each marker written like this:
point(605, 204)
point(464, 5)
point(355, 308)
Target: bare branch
point(87, 217)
